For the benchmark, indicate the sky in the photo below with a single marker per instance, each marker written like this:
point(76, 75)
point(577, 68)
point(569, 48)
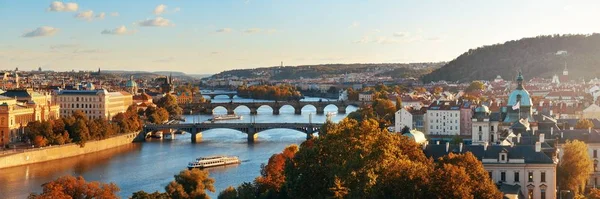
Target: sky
point(210, 36)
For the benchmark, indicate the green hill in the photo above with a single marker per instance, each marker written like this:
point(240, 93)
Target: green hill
point(542, 56)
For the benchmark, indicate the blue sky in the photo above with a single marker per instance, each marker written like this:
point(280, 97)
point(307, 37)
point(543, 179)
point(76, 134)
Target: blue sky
point(211, 36)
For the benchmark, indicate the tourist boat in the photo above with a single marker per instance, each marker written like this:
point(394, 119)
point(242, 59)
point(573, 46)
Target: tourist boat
point(226, 117)
point(213, 161)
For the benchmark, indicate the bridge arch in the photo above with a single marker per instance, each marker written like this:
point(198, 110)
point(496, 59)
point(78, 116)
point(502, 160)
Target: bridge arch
point(309, 108)
point(266, 108)
point(242, 109)
point(221, 109)
point(287, 108)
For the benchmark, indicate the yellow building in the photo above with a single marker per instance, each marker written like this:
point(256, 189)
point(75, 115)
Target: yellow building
point(94, 103)
point(18, 108)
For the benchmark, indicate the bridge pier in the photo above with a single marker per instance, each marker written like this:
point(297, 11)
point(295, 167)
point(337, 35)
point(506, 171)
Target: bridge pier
point(320, 110)
point(196, 136)
point(275, 111)
point(252, 137)
point(342, 109)
point(253, 111)
point(230, 96)
point(230, 111)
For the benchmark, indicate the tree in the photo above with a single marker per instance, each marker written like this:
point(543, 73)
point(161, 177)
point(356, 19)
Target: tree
point(437, 90)
point(191, 184)
point(169, 102)
point(584, 124)
point(76, 188)
point(272, 176)
point(40, 141)
point(384, 109)
point(144, 195)
point(398, 103)
point(79, 132)
point(228, 193)
point(475, 86)
point(157, 115)
point(574, 167)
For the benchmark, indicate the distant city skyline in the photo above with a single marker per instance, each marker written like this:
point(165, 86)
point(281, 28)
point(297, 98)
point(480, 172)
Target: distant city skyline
point(205, 37)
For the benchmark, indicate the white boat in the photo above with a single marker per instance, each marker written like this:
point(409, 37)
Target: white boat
point(226, 117)
point(331, 113)
point(213, 161)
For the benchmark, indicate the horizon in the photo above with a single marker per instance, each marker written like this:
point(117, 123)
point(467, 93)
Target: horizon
point(211, 37)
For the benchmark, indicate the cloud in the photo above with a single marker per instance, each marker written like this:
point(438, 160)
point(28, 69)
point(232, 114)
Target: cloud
point(214, 52)
point(253, 30)
point(160, 9)
point(114, 14)
point(121, 30)
point(41, 32)
point(224, 30)
point(101, 15)
point(85, 15)
point(58, 6)
point(363, 40)
point(401, 34)
point(158, 21)
point(177, 9)
point(355, 24)
point(63, 46)
point(165, 60)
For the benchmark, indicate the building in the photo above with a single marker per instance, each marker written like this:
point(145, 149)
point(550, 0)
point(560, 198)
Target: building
point(443, 118)
point(44, 107)
point(131, 86)
point(591, 112)
point(466, 112)
point(403, 118)
point(484, 126)
point(592, 138)
point(94, 103)
point(524, 167)
point(519, 104)
point(365, 96)
point(9, 80)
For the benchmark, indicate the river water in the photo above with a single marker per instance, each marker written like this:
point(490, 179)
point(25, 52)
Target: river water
point(150, 166)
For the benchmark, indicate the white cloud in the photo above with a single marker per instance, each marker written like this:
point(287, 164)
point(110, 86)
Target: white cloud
point(363, 40)
point(85, 15)
point(63, 46)
point(253, 30)
point(114, 14)
point(158, 21)
point(177, 9)
point(271, 31)
point(121, 30)
point(101, 15)
point(224, 30)
point(41, 32)
point(160, 9)
point(401, 34)
point(355, 24)
point(58, 6)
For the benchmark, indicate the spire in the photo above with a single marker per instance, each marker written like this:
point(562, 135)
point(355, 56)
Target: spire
point(520, 81)
point(565, 71)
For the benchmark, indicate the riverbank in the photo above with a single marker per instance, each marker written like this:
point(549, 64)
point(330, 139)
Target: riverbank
point(63, 151)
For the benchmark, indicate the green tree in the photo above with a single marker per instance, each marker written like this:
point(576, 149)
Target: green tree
point(79, 132)
point(191, 184)
point(575, 167)
point(169, 102)
point(584, 124)
point(144, 195)
point(475, 86)
point(228, 193)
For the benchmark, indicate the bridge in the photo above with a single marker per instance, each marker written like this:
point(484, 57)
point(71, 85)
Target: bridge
point(212, 95)
point(207, 108)
point(251, 129)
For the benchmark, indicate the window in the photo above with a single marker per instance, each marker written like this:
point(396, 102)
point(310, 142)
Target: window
point(530, 193)
point(490, 174)
point(530, 177)
point(517, 176)
point(503, 176)
point(480, 137)
point(502, 157)
point(543, 177)
point(595, 153)
point(543, 194)
point(480, 128)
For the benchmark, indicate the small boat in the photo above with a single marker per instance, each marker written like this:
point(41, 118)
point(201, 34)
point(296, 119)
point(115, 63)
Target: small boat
point(331, 113)
point(213, 161)
point(226, 117)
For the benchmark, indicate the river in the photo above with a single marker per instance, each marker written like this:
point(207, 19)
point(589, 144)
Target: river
point(150, 166)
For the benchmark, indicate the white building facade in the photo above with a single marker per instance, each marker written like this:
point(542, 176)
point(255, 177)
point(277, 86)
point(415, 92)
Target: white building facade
point(403, 118)
point(443, 118)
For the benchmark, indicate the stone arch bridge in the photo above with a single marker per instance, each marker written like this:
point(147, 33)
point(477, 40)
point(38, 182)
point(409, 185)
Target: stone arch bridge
point(251, 129)
point(207, 108)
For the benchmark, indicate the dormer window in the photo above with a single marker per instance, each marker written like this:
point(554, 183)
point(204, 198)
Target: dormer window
point(503, 156)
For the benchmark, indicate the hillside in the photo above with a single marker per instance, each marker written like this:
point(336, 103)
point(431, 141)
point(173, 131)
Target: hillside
point(325, 70)
point(537, 57)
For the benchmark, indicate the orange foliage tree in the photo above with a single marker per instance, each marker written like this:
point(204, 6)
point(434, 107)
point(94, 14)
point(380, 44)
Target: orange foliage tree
point(76, 188)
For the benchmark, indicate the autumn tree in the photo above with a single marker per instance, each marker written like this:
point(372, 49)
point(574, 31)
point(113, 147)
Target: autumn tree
point(438, 90)
point(399, 103)
point(157, 115)
point(593, 194)
point(272, 176)
point(584, 124)
point(574, 167)
point(475, 86)
point(40, 141)
point(228, 193)
point(76, 188)
point(144, 195)
point(191, 184)
point(169, 102)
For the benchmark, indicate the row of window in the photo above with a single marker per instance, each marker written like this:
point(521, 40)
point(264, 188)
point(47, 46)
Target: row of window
point(444, 129)
point(83, 99)
point(82, 106)
point(445, 113)
point(516, 175)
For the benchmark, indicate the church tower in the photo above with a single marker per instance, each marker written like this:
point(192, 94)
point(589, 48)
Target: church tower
point(566, 71)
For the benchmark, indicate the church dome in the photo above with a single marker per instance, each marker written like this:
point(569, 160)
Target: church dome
point(131, 83)
point(519, 94)
point(482, 109)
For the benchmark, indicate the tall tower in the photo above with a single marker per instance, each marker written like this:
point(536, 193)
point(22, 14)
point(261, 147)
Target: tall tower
point(565, 71)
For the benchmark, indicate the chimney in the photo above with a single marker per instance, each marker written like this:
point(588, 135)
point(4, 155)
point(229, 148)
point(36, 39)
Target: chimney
point(538, 147)
point(485, 145)
point(542, 138)
point(460, 147)
point(447, 146)
point(519, 138)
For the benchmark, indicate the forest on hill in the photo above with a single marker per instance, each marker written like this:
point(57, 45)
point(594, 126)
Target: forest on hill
point(541, 56)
